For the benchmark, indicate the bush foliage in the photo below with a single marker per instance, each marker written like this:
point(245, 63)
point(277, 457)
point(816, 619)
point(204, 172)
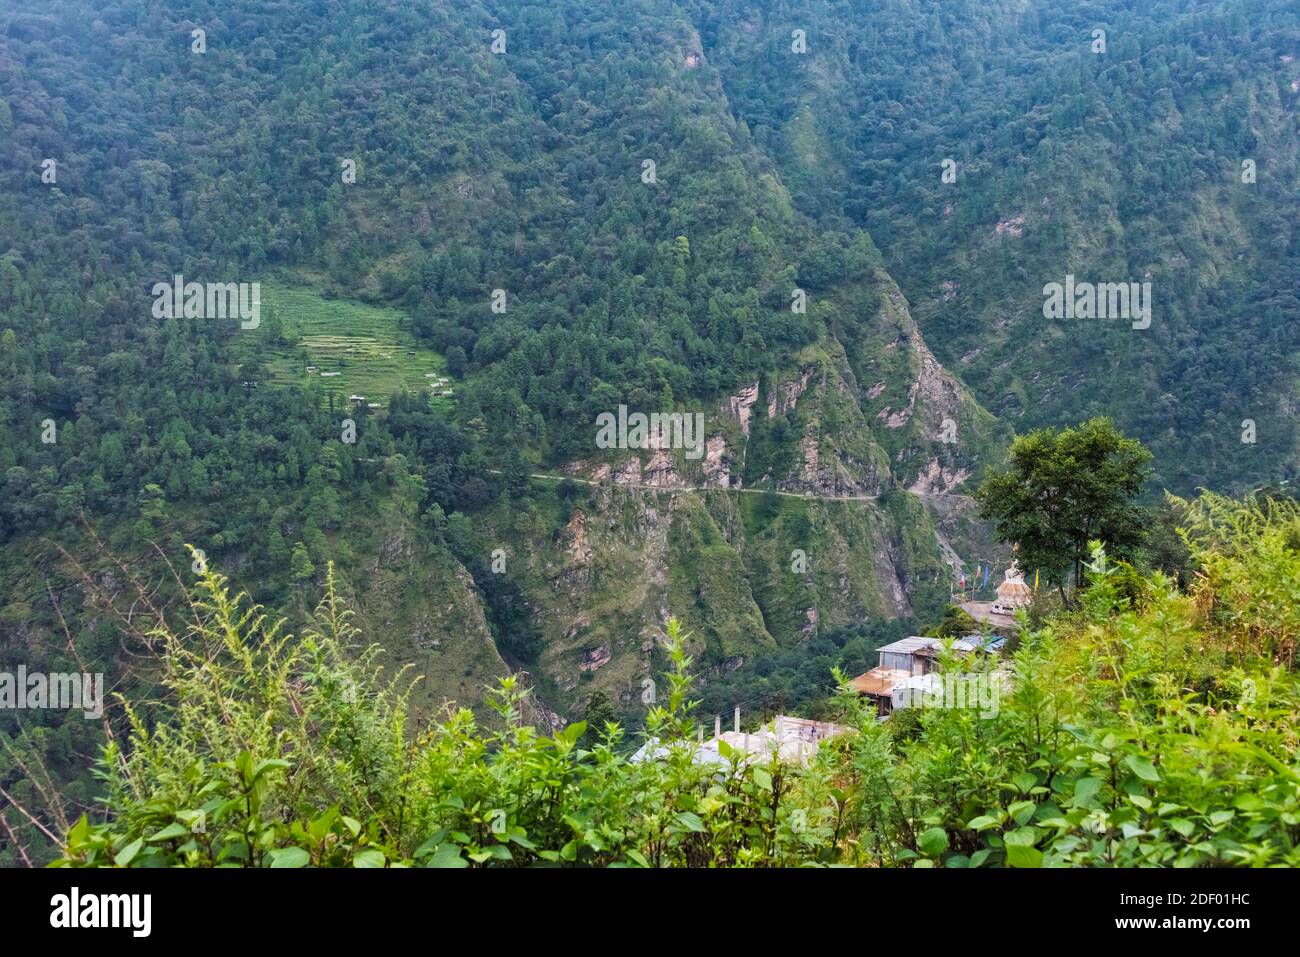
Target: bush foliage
point(1148, 726)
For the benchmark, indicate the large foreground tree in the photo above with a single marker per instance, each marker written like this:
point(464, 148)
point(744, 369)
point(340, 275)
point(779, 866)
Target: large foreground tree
point(1064, 488)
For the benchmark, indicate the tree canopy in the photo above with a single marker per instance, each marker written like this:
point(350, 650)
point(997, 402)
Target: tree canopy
point(1063, 489)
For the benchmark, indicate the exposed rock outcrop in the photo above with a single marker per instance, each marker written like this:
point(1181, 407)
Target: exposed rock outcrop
point(785, 396)
point(741, 406)
point(933, 478)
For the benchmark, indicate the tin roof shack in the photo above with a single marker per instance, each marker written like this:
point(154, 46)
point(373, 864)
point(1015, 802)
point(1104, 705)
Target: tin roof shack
point(913, 658)
point(899, 660)
point(903, 655)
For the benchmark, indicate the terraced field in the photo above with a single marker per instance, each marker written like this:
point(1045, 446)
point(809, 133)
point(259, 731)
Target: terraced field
point(348, 348)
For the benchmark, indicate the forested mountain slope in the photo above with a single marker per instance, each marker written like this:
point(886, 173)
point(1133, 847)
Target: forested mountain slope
point(475, 171)
point(1115, 157)
point(644, 189)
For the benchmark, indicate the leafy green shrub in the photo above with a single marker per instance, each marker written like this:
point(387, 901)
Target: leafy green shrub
point(1149, 727)
point(276, 752)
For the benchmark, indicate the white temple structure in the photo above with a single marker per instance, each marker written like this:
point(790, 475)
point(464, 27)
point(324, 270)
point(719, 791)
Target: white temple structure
point(1013, 593)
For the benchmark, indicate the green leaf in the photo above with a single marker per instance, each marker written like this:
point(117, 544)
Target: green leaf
point(1085, 789)
point(1022, 811)
point(1247, 802)
point(290, 857)
point(690, 822)
point(1142, 767)
point(1022, 837)
point(127, 854)
point(428, 847)
point(933, 841)
point(169, 832)
point(368, 858)
point(1018, 855)
point(77, 834)
point(982, 822)
point(267, 765)
point(1023, 780)
point(448, 855)
point(321, 825)
point(520, 836)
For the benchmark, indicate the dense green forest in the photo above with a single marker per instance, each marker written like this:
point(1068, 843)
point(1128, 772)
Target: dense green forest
point(1125, 163)
point(567, 206)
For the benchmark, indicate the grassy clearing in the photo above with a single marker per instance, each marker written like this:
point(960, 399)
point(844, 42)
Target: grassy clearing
point(354, 348)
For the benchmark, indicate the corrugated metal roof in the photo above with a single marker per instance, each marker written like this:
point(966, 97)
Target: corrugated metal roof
point(988, 643)
point(909, 645)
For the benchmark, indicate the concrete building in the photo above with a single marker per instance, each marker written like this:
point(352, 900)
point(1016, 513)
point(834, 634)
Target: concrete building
point(792, 740)
point(906, 666)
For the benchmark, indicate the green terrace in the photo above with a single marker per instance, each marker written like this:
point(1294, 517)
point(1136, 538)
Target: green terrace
point(345, 348)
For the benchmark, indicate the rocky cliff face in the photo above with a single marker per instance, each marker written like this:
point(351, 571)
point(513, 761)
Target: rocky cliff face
point(421, 604)
point(817, 503)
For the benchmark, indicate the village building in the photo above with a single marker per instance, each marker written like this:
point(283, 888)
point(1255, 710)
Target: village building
point(792, 740)
point(1013, 593)
point(909, 668)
